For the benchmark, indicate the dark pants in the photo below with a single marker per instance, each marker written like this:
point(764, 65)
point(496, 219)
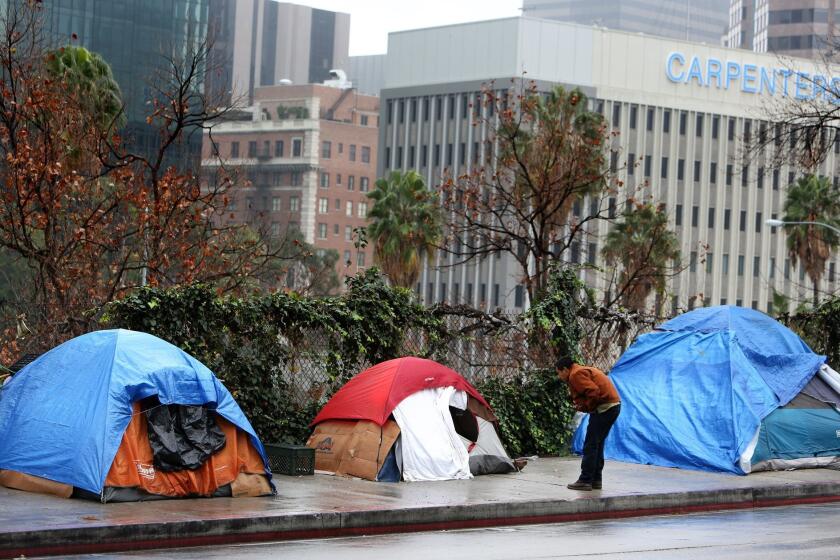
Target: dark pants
point(593, 446)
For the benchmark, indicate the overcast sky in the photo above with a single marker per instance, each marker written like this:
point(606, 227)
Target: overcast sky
point(372, 20)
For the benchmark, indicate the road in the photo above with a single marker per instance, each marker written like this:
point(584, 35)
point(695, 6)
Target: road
point(799, 532)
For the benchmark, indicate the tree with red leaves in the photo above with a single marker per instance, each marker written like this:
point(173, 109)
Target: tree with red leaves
point(87, 219)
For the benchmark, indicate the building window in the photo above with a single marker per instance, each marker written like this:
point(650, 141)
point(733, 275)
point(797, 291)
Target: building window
point(297, 178)
point(745, 172)
point(666, 122)
point(347, 257)
point(278, 148)
point(351, 183)
point(758, 222)
point(362, 209)
point(326, 149)
point(678, 215)
point(698, 130)
point(325, 180)
point(234, 149)
point(348, 233)
point(275, 229)
point(633, 111)
point(756, 266)
point(760, 178)
point(366, 155)
point(648, 165)
point(297, 147)
point(364, 120)
point(715, 127)
point(364, 184)
point(276, 204)
point(695, 216)
point(709, 262)
point(683, 120)
point(338, 178)
point(680, 169)
point(664, 170)
point(692, 262)
point(728, 174)
point(353, 152)
point(713, 173)
point(775, 179)
point(323, 205)
point(631, 163)
point(731, 130)
point(322, 231)
point(349, 209)
point(727, 218)
point(424, 156)
point(724, 264)
point(743, 224)
point(616, 116)
point(337, 204)
point(711, 220)
point(252, 149)
point(650, 119)
point(519, 296)
point(696, 171)
point(294, 204)
point(740, 265)
point(360, 258)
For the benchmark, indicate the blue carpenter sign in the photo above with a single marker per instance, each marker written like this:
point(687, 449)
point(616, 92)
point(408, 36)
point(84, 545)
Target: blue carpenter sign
point(751, 78)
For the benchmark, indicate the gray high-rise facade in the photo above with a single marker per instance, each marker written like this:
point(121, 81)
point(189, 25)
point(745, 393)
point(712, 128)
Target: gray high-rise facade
point(135, 37)
point(264, 42)
point(693, 20)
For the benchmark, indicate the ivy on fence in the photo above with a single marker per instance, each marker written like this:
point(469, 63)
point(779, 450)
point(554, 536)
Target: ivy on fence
point(283, 355)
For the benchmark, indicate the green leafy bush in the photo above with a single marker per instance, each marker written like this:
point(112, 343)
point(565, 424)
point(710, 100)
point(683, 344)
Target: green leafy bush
point(534, 412)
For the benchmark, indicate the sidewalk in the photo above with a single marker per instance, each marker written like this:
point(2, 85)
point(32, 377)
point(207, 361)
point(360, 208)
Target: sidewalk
point(324, 506)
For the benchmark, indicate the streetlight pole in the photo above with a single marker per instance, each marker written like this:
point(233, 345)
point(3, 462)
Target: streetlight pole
point(778, 223)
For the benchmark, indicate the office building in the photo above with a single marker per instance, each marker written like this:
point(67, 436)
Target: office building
point(305, 159)
point(263, 42)
point(135, 38)
point(682, 110)
point(703, 21)
point(800, 28)
point(367, 73)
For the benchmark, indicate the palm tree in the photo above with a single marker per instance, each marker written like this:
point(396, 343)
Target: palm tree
point(812, 199)
point(89, 77)
point(645, 249)
point(405, 225)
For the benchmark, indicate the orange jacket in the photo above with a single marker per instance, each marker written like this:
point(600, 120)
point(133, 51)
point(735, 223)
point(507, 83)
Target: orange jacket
point(590, 388)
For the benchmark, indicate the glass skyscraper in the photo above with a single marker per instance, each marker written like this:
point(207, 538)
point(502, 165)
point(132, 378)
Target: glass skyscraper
point(136, 37)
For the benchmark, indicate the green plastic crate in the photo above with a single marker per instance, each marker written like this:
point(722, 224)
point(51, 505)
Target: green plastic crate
point(291, 460)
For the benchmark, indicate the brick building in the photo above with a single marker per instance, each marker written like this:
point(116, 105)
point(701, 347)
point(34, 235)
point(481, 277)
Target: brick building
point(305, 158)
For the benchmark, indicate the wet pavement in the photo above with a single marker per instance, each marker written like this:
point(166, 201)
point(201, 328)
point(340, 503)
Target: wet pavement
point(789, 533)
point(324, 506)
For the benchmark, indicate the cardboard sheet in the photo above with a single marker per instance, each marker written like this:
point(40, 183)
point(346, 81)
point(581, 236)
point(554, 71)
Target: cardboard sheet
point(352, 448)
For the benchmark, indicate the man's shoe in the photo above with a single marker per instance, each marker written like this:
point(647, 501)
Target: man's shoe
point(597, 485)
point(582, 486)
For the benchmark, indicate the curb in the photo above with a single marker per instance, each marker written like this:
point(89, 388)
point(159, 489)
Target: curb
point(116, 538)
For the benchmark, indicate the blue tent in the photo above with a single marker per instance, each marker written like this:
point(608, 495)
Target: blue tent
point(695, 391)
point(63, 416)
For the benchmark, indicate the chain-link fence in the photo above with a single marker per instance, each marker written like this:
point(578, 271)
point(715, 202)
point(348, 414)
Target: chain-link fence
point(490, 346)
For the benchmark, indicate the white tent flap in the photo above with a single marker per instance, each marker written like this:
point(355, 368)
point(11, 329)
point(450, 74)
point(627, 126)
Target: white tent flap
point(431, 448)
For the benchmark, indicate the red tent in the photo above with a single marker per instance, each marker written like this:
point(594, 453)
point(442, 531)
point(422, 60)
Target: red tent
point(374, 393)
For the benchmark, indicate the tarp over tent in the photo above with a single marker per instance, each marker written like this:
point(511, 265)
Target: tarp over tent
point(411, 418)
point(695, 391)
point(64, 416)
